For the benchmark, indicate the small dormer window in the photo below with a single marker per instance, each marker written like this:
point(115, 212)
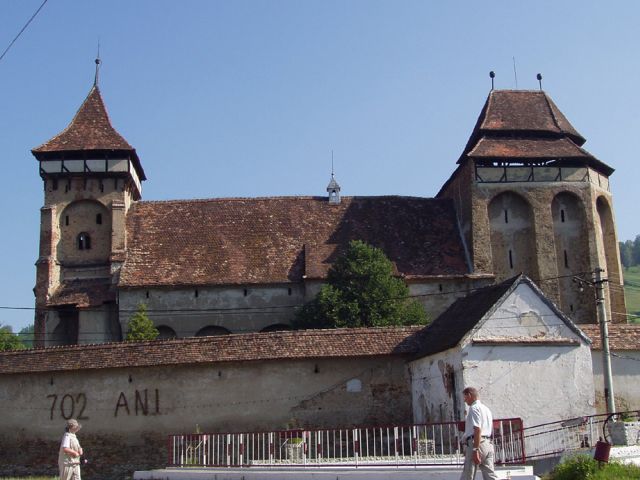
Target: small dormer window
point(84, 241)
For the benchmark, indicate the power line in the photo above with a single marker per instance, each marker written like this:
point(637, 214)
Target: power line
point(23, 29)
point(272, 307)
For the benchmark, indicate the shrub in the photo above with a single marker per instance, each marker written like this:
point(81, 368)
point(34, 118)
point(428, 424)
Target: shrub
point(582, 467)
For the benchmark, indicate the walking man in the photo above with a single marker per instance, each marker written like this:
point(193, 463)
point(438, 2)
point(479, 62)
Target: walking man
point(478, 429)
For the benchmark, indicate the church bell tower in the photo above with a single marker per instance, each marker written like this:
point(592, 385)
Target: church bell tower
point(532, 200)
point(91, 176)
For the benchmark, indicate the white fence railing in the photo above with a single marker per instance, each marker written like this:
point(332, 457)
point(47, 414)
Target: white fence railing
point(433, 444)
point(551, 439)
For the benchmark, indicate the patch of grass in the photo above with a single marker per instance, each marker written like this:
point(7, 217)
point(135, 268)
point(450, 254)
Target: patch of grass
point(582, 467)
point(632, 292)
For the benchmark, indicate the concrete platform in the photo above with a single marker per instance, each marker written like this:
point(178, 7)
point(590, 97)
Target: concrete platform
point(327, 473)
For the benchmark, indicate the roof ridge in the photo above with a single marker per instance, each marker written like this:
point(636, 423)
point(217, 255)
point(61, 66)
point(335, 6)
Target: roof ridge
point(94, 87)
point(553, 116)
point(284, 197)
point(206, 339)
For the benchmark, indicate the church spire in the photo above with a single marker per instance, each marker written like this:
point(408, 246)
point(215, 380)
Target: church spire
point(90, 137)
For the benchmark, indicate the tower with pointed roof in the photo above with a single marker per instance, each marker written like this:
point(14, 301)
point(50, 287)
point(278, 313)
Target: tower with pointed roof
point(91, 176)
point(532, 200)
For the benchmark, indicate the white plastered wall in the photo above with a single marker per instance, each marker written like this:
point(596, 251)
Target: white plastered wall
point(536, 382)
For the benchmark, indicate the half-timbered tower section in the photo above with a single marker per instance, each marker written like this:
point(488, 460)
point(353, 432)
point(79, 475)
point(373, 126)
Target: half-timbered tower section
point(91, 177)
point(532, 200)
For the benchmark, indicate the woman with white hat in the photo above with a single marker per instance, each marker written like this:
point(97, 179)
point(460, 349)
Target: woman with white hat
point(70, 452)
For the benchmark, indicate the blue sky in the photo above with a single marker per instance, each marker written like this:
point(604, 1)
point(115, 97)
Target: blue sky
point(249, 98)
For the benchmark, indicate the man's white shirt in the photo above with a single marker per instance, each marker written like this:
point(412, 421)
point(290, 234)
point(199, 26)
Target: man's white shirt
point(479, 416)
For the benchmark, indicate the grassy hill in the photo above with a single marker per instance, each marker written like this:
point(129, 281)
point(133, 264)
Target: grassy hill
point(632, 292)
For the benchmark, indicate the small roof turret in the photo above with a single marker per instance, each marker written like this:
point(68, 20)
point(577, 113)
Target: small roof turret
point(334, 190)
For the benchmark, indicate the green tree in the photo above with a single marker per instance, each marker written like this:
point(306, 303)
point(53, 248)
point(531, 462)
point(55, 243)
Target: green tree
point(635, 251)
point(27, 335)
point(9, 340)
point(625, 253)
point(361, 291)
point(141, 327)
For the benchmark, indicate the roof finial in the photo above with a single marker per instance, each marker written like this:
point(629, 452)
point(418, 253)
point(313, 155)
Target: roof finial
point(331, 163)
point(98, 62)
point(492, 75)
point(539, 77)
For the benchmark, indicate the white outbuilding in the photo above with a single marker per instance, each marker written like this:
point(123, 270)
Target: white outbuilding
point(524, 355)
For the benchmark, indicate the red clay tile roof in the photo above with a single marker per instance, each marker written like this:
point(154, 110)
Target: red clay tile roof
point(621, 336)
point(83, 293)
point(524, 125)
point(90, 131)
point(546, 148)
point(525, 110)
point(280, 239)
point(302, 344)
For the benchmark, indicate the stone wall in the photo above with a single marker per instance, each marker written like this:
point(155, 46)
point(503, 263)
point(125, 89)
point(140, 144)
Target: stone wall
point(108, 457)
point(128, 413)
point(555, 254)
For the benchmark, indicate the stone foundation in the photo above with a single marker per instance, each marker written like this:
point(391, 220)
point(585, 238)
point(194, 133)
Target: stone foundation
point(109, 457)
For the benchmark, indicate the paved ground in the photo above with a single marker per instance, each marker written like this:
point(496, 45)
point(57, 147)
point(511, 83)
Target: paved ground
point(329, 473)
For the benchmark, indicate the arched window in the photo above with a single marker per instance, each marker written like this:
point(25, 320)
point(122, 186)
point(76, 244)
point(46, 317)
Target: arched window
point(166, 333)
point(212, 331)
point(84, 241)
point(276, 327)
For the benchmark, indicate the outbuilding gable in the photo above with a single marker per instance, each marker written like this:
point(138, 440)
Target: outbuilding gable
point(511, 343)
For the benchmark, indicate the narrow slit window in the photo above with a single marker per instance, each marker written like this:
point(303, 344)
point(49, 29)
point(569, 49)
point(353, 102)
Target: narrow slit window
point(289, 290)
point(571, 307)
point(66, 220)
point(562, 215)
point(196, 293)
point(506, 216)
point(510, 260)
point(99, 218)
point(566, 260)
point(84, 241)
point(246, 292)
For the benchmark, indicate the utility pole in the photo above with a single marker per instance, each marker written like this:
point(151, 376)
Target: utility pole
point(604, 335)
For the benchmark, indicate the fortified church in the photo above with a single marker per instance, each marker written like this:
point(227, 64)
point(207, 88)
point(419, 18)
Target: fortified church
point(492, 258)
point(525, 197)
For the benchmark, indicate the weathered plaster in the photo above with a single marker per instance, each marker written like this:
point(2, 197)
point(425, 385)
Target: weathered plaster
point(625, 366)
point(537, 383)
point(248, 396)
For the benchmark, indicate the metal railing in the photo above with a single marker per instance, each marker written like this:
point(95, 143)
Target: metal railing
point(424, 444)
point(552, 439)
